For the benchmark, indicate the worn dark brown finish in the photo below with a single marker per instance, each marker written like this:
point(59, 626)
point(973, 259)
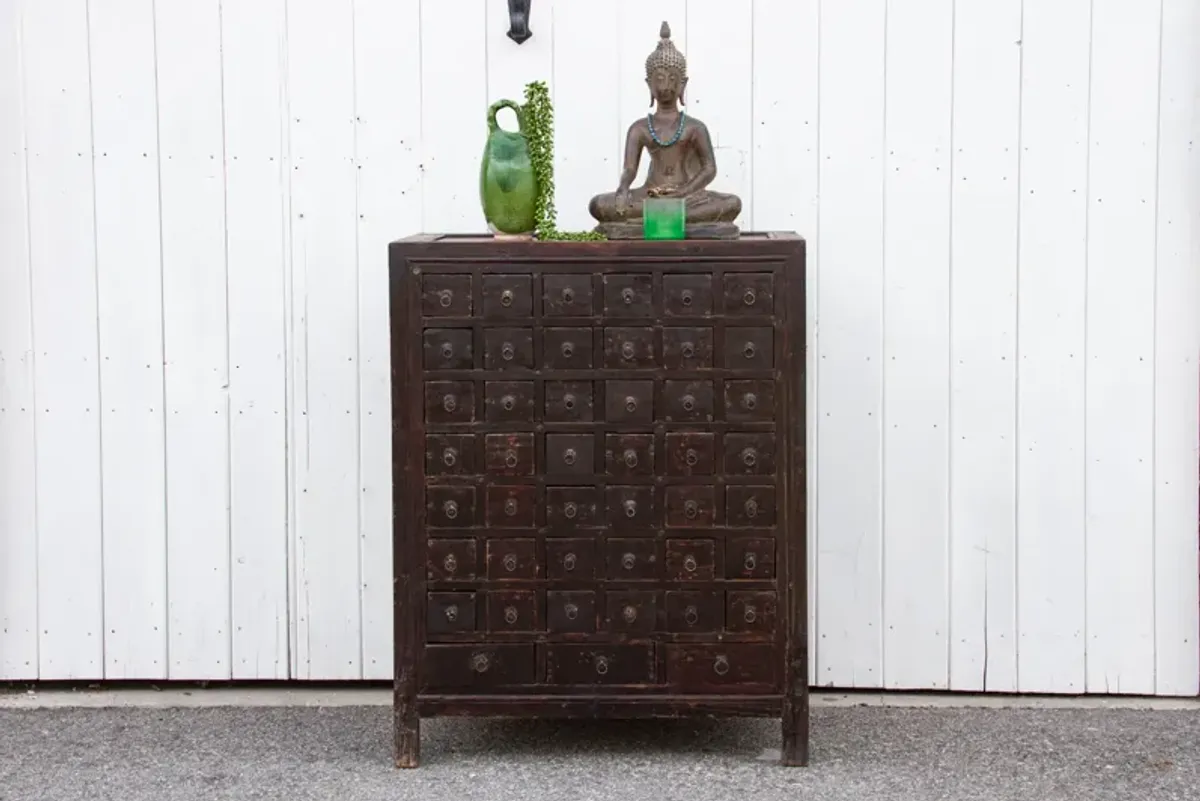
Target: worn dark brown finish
point(598, 478)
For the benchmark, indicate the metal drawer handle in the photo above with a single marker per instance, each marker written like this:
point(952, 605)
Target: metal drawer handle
point(568, 402)
point(447, 350)
point(510, 615)
point(568, 295)
point(749, 350)
point(452, 613)
point(507, 351)
point(689, 564)
point(627, 350)
point(629, 613)
point(569, 456)
point(751, 614)
point(628, 561)
point(750, 562)
point(691, 615)
point(569, 512)
point(480, 663)
point(749, 297)
point(572, 611)
point(508, 402)
point(688, 350)
point(751, 508)
point(685, 297)
point(602, 665)
point(630, 403)
point(510, 562)
point(449, 403)
point(690, 510)
point(749, 457)
point(510, 458)
point(627, 296)
point(691, 457)
point(750, 400)
point(689, 403)
point(568, 350)
point(445, 298)
point(510, 507)
point(631, 458)
point(721, 665)
point(450, 509)
point(506, 298)
point(450, 564)
point(449, 457)
point(630, 508)
point(569, 562)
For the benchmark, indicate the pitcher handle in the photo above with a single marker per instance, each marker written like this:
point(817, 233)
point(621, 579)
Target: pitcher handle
point(494, 126)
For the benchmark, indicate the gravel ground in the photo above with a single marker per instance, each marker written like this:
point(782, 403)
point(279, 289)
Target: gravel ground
point(344, 754)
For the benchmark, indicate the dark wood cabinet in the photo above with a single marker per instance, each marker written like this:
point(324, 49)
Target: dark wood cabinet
point(598, 479)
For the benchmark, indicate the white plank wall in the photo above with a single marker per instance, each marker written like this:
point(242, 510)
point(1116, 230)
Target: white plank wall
point(1002, 208)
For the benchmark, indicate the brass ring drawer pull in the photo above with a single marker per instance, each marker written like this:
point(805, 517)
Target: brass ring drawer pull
point(510, 615)
point(450, 564)
point(480, 663)
point(510, 562)
point(749, 297)
point(568, 402)
point(507, 351)
point(689, 564)
point(452, 613)
point(691, 509)
point(691, 616)
point(569, 456)
point(751, 614)
point(568, 350)
point(630, 404)
point(627, 296)
point(751, 508)
point(631, 458)
point(749, 457)
point(506, 298)
point(688, 350)
point(509, 403)
point(450, 509)
point(685, 297)
point(602, 665)
point(691, 457)
point(689, 403)
point(569, 511)
point(629, 613)
point(445, 298)
point(750, 400)
point(571, 611)
point(510, 458)
point(721, 665)
point(750, 562)
point(568, 295)
point(510, 507)
point(569, 562)
point(447, 350)
point(449, 457)
point(449, 403)
point(628, 561)
point(749, 350)
point(630, 509)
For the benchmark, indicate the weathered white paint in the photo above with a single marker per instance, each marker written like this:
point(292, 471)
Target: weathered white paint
point(1001, 202)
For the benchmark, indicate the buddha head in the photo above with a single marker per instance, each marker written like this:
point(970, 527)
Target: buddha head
point(666, 70)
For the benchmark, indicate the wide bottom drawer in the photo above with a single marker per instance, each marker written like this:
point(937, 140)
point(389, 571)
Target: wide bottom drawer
point(478, 666)
point(727, 668)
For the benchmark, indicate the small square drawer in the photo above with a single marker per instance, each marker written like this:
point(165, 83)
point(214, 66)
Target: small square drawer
point(449, 454)
point(628, 295)
point(629, 401)
point(690, 453)
point(629, 454)
point(510, 506)
point(451, 560)
point(449, 507)
point(688, 401)
point(629, 507)
point(448, 349)
point(572, 507)
point(476, 667)
point(509, 454)
point(695, 611)
point(570, 454)
point(691, 560)
point(752, 612)
point(446, 295)
point(567, 349)
point(691, 506)
point(730, 667)
point(512, 559)
point(628, 348)
point(747, 506)
point(749, 454)
point(687, 348)
point(687, 294)
point(507, 296)
point(508, 349)
point(632, 611)
point(746, 401)
point(632, 558)
point(748, 294)
point(749, 348)
point(571, 611)
point(508, 401)
point(449, 612)
point(567, 295)
point(449, 402)
point(583, 664)
point(750, 558)
point(573, 559)
point(569, 402)
point(513, 610)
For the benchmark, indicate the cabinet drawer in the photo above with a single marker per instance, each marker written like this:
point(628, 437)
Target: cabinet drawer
point(600, 664)
point(477, 667)
point(743, 667)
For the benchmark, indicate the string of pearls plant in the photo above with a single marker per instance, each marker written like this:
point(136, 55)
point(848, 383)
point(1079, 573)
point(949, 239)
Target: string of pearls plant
point(538, 113)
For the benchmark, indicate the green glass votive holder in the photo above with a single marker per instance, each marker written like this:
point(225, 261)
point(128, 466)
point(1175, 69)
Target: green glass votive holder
point(664, 217)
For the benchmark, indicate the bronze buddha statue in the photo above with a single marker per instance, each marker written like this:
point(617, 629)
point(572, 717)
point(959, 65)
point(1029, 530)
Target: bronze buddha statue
point(682, 163)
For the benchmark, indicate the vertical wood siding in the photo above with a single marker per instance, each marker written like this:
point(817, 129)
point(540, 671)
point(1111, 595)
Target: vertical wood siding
point(1001, 201)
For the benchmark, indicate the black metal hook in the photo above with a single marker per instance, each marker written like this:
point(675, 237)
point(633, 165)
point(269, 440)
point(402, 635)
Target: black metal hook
point(518, 20)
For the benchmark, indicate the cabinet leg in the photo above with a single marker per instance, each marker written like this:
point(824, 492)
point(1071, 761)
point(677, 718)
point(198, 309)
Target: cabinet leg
point(408, 736)
point(794, 753)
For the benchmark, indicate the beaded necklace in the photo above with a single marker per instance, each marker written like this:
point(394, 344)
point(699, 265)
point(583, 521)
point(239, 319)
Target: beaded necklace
point(654, 134)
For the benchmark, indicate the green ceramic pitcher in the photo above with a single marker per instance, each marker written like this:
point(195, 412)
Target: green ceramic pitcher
point(507, 183)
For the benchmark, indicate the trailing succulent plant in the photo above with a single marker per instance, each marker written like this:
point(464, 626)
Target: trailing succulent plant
point(538, 112)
